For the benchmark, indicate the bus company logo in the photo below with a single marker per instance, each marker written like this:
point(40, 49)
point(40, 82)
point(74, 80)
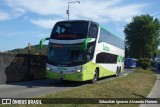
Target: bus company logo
point(61, 68)
point(105, 48)
point(6, 101)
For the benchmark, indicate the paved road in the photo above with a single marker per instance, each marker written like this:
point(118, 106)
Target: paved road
point(41, 87)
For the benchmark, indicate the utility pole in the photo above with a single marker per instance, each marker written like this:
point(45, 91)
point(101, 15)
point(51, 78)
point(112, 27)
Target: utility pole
point(68, 7)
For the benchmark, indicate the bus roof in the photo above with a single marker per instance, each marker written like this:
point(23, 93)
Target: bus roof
point(79, 21)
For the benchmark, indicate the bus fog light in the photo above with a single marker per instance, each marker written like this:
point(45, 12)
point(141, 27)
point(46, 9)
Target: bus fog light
point(78, 70)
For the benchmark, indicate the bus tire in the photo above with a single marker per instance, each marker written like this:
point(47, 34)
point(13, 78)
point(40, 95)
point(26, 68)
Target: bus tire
point(120, 70)
point(117, 72)
point(95, 77)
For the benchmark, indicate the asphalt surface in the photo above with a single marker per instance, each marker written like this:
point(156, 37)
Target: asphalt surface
point(42, 87)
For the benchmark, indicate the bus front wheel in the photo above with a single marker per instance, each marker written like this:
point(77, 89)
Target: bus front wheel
point(95, 77)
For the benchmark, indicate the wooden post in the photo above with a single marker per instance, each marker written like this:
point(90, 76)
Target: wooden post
point(29, 76)
point(29, 48)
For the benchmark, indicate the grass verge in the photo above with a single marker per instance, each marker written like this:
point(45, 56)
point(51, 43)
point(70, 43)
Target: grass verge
point(135, 85)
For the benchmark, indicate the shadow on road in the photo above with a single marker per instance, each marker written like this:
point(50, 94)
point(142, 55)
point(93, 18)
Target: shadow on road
point(58, 83)
point(54, 83)
point(47, 83)
point(139, 95)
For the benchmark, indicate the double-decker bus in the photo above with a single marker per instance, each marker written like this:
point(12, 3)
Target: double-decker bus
point(81, 50)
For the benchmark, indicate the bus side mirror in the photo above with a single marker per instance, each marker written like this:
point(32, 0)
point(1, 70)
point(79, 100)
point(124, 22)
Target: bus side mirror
point(90, 49)
point(41, 42)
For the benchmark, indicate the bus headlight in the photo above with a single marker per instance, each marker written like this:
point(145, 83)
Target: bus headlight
point(78, 68)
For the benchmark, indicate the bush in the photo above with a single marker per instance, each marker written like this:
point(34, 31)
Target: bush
point(144, 63)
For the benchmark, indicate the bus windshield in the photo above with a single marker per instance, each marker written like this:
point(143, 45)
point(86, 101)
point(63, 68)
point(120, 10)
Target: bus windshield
point(79, 29)
point(69, 55)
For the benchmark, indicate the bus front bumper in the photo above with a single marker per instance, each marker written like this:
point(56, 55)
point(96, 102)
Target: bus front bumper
point(76, 76)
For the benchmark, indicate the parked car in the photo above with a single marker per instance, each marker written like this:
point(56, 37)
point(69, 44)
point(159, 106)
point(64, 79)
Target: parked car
point(155, 61)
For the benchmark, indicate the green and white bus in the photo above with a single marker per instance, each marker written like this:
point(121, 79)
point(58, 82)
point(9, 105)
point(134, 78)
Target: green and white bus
point(81, 50)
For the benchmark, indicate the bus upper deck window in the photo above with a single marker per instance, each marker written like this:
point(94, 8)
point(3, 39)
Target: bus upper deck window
point(60, 30)
point(93, 30)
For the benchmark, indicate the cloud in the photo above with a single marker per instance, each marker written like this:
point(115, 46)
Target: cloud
point(4, 16)
point(42, 7)
point(99, 10)
point(125, 13)
point(45, 23)
point(105, 10)
point(16, 12)
point(27, 34)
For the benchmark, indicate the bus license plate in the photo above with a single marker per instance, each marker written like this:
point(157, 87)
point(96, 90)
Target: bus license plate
point(61, 76)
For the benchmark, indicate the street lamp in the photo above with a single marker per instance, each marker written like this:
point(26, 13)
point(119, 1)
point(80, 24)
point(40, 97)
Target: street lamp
point(68, 7)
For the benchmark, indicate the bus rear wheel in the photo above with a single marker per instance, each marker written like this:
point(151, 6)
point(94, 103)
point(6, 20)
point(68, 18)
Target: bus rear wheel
point(95, 77)
point(118, 71)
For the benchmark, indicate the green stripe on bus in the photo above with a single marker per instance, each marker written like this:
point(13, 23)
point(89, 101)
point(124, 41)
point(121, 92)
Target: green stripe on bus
point(85, 43)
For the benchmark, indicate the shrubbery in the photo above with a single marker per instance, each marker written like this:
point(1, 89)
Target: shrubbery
point(144, 63)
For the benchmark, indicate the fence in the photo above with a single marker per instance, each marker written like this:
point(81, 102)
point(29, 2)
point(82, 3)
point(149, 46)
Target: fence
point(21, 67)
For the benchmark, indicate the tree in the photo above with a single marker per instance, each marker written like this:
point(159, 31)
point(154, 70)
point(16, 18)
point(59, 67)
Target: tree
point(34, 50)
point(142, 36)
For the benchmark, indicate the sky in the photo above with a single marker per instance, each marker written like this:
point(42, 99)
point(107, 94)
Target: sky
point(28, 21)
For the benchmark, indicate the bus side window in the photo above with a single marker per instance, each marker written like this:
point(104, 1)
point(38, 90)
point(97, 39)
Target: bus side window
point(93, 31)
point(102, 36)
point(106, 58)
